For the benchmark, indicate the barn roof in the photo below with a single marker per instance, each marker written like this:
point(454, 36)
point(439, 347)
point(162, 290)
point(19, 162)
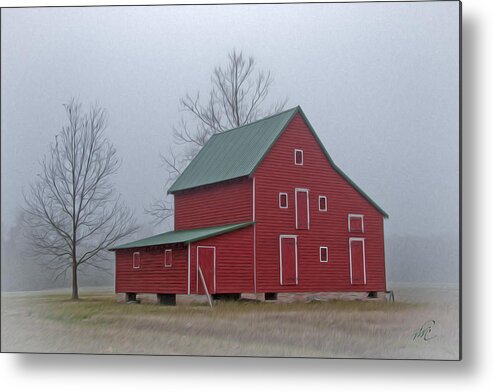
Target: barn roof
point(183, 236)
point(237, 153)
point(234, 153)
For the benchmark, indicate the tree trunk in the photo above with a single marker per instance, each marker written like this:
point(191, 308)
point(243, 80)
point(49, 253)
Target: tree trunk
point(75, 287)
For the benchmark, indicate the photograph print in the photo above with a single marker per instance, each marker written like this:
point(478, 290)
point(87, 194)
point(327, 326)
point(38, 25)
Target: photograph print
point(260, 180)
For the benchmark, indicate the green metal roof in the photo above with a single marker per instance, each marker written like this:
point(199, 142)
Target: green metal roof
point(183, 236)
point(237, 153)
point(234, 153)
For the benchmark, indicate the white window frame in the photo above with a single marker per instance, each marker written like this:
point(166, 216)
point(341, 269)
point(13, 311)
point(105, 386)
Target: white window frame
point(302, 157)
point(326, 252)
point(170, 258)
point(133, 260)
point(307, 191)
point(360, 216)
point(287, 202)
point(295, 252)
point(197, 266)
point(320, 197)
point(351, 259)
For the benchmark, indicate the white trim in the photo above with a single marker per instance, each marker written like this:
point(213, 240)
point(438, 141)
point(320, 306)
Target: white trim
point(254, 243)
point(326, 253)
point(287, 203)
point(189, 268)
point(253, 208)
point(349, 216)
point(254, 258)
point(171, 258)
point(296, 190)
point(351, 259)
point(116, 271)
point(320, 197)
point(133, 260)
point(302, 157)
point(197, 248)
point(295, 254)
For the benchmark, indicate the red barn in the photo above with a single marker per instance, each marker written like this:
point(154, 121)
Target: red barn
point(261, 209)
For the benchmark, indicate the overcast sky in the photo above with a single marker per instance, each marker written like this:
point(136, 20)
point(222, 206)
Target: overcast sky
point(379, 83)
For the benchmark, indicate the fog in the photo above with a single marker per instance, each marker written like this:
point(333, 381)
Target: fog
point(378, 82)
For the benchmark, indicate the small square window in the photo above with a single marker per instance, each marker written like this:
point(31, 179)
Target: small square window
point(355, 223)
point(298, 157)
point(283, 200)
point(322, 203)
point(136, 260)
point(168, 258)
point(324, 254)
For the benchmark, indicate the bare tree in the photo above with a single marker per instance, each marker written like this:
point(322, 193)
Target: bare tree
point(237, 97)
point(71, 211)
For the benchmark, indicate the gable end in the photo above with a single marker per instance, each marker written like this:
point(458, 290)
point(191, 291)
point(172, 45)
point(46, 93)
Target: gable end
point(331, 162)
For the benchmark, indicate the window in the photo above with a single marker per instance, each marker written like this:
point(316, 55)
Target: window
point(322, 203)
point(355, 223)
point(298, 157)
point(283, 200)
point(167, 258)
point(136, 260)
point(324, 254)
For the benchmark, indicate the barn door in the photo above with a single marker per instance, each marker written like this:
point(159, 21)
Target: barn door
point(206, 260)
point(302, 209)
point(288, 260)
point(357, 260)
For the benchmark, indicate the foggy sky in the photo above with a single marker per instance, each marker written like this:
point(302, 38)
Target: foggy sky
point(378, 82)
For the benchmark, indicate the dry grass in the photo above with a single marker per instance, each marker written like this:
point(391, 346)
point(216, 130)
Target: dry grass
point(99, 324)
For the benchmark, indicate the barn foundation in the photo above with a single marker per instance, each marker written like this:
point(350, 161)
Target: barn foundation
point(270, 296)
point(166, 299)
point(130, 297)
point(226, 297)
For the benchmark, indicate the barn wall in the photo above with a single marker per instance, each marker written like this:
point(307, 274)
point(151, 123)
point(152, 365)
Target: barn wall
point(277, 173)
point(234, 261)
point(225, 203)
point(152, 276)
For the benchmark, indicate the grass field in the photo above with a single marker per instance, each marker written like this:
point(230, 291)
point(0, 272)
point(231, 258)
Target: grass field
point(48, 322)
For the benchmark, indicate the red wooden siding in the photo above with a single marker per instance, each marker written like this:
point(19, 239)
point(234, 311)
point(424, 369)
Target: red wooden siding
point(152, 276)
point(234, 261)
point(278, 173)
point(215, 205)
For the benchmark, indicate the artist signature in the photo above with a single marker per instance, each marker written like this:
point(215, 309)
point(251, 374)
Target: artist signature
point(425, 331)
